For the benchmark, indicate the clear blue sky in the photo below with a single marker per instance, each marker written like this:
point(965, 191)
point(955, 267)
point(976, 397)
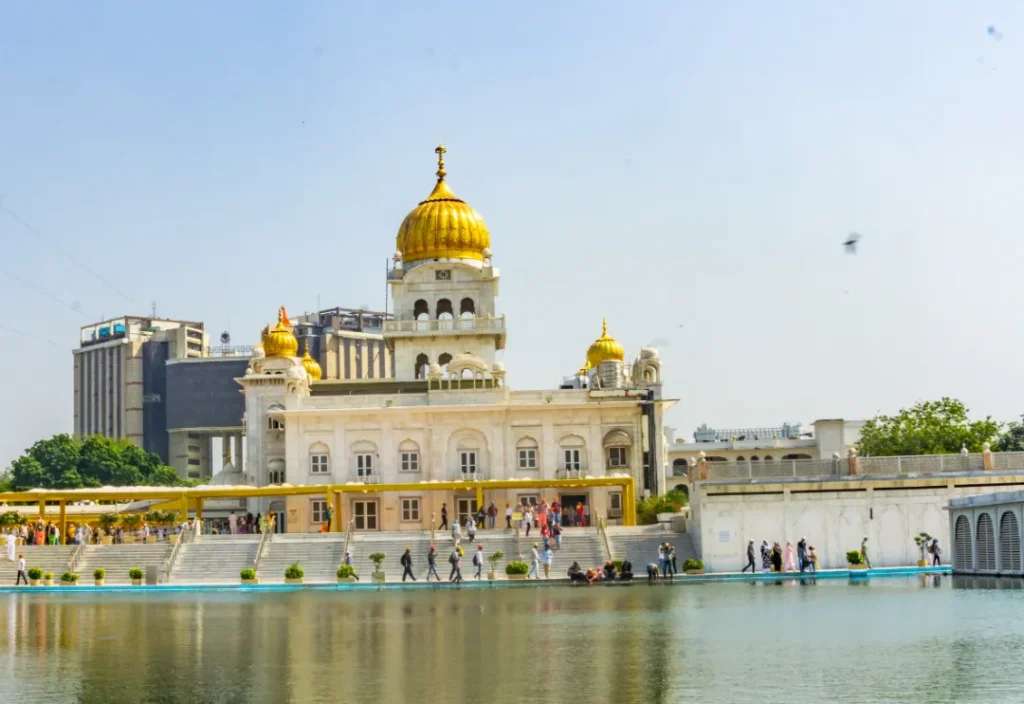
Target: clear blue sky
point(687, 170)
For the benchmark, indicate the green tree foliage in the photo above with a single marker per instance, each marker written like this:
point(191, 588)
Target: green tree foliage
point(928, 428)
point(647, 510)
point(1013, 439)
point(63, 462)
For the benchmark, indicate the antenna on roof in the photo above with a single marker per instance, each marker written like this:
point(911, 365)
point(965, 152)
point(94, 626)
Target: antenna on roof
point(153, 308)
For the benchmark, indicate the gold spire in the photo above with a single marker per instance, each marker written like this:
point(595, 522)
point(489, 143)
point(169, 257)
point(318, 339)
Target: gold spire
point(279, 341)
point(310, 364)
point(604, 348)
point(443, 226)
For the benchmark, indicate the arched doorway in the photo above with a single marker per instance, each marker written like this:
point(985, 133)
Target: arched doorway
point(985, 543)
point(1009, 543)
point(962, 544)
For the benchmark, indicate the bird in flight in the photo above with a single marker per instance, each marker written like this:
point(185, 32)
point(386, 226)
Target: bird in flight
point(851, 243)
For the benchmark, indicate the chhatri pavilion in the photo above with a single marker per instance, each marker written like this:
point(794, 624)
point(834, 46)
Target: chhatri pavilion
point(448, 414)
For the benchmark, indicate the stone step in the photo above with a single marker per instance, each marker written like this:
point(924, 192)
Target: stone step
point(48, 558)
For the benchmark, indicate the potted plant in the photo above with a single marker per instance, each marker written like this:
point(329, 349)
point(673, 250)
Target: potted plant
point(294, 574)
point(617, 564)
point(347, 573)
point(48, 578)
point(693, 566)
point(68, 579)
point(98, 576)
point(493, 559)
point(377, 559)
point(248, 576)
point(107, 522)
point(131, 523)
point(517, 569)
point(855, 560)
point(923, 540)
point(135, 574)
point(35, 575)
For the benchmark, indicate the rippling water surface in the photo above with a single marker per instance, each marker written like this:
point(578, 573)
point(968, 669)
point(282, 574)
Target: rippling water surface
point(922, 639)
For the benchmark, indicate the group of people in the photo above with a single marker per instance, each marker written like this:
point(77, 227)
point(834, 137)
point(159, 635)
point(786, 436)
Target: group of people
point(605, 573)
point(542, 516)
point(775, 558)
point(454, 559)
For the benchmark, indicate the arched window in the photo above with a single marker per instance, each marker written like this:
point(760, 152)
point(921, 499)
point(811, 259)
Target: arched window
point(467, 309)
point(962, 544)
point(526, 453)
point(769, 458)
point(444, 309)
point(319, 459)
point(409, 456)
point(796, 456)
point(1009, 543)
point(422, 366)
point(616, 449)
point(741, 458)
point(275, 422)
point(275, 471)
point(715, 458)
point(421, 310)
point(364, 460)
point(985, 543)
point(573, 451)
point(679, 467)
point(442, 362)
point(754, 458)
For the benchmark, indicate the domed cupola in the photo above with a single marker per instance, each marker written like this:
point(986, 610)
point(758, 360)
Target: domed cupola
point(279, 341)
point(604, 348)
point(311, 366)
point(443, 226)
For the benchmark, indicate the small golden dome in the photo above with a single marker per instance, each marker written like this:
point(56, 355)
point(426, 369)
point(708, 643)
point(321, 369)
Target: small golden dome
point(604, 348)
point(311, 365)
point(279, 341)
point(443, 226)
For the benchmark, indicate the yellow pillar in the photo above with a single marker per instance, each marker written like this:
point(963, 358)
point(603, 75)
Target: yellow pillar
point(479, 497)
point(629, 499)
point(63, 522)
point(331, 505)
point(183, 513)
point(199, 508)
point(42, 509)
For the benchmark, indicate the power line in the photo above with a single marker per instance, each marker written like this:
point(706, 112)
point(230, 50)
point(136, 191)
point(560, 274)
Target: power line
point(81, 265)
point(22, 333)
point(74, 305)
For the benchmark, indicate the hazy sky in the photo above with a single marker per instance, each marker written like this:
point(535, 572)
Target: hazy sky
point(687, 170)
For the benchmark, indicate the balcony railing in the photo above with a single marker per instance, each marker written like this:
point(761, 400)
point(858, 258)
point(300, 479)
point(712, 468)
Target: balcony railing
point(481, 324)
point(460, 475)
point(893, 466)
point(371, 477)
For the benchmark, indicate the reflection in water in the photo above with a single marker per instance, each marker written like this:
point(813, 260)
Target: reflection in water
point(807, 638)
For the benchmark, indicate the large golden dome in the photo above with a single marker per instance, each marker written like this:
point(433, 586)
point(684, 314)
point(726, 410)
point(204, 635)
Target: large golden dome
point(279, 341)
point(604, 348)
point(311, 366)
point(443, 226)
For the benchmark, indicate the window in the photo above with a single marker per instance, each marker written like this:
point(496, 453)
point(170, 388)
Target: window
point(615, 504)
point(276, 476)
point(410, 509)
point(528, 500)
point(410, 461)
point(193, 461)
point(443, 275)
point(364, 464)
point(617, 457)
point(319, 510)
point(467, 461)
point(274, 424)
point(571, 458)
point(318, 464)
point(527, 458)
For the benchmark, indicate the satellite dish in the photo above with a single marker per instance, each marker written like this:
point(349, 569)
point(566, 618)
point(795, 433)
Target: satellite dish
point(225, 338)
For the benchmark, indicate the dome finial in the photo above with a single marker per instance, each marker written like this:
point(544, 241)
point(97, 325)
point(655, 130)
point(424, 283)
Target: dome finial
point(604, 327)
point(440, 151)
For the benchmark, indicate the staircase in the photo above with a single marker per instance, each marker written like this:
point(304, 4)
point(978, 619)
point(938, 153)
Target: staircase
point(48, 558)
point(213, 559)
point(639, 545)
point(318, 554)
point(118, 559)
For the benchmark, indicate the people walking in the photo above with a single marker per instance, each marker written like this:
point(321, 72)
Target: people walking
point(556, 513)
point(548, 557)
point(407, 565)
point(812, 559)
point(444, 517)
point(672, 558)
point(936, 552)
point(471, 528)
point(750, 558)
point(455, 559)
point(556, 532)
point(534, 563)
point(21, 571)
point(766, 556)
point(456, 531)
point(432, 564)
point(776, 557)
point(801, 553)
point(864, 552)
point(508, 516)
point(527, 520)
point(788, 558)
point(579, 514)
point(478, 561)
point(492, 516)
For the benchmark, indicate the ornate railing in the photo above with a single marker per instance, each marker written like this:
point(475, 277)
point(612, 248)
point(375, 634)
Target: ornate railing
point(426, 327)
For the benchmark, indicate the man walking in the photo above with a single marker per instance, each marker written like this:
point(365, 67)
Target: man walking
point(478, 561)
point(936, 552)
point(750, 559)
point(21, 571)
point(444, 517)
point(492, 516)
point(801, 554)
point(534, 563)
point(432, 564)
point(548, 557)
point(864, 552)
point(508, 516)
point(407, 565)
point(455, 559)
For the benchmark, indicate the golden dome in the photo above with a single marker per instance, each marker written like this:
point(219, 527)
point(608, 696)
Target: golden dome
point(311, 366)
point(443, 226)
point(604, 348)
point(279, 341)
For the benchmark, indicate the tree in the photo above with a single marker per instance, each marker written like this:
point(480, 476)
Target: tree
point(1013, 439)
point(927, 428)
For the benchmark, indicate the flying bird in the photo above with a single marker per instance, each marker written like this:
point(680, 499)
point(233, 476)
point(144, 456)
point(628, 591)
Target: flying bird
point(994, 33)
point(851, 243)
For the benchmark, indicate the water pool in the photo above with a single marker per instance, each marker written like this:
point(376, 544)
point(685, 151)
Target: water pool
point(905, 639)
